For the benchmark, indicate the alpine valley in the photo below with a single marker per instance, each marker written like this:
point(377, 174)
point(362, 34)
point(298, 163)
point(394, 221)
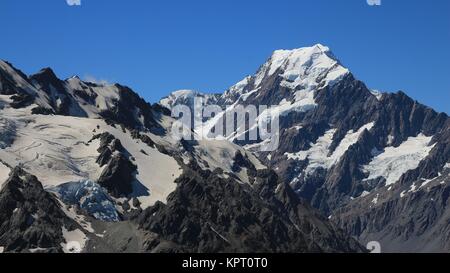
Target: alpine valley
point(92, 167)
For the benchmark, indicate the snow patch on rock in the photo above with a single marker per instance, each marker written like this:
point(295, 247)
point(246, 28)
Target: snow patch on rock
point(377, 94)
point(186, 97)
point(75, 240)
point(395, 161)
point(318, 155)
point(4, 173)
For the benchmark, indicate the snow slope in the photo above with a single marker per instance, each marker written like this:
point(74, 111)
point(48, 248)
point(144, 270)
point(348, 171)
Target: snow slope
point(156, 171)
point(220, 154)
point(186, 97)
point(318, 155)
point(105, 95)
point(303, 67)
point(56, 150)
point(393, 162)
point(303, 70)
point(4, 173)
point(75, 240)
point(210, 154)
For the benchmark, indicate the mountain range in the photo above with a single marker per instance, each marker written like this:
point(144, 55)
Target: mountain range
point(93, 167)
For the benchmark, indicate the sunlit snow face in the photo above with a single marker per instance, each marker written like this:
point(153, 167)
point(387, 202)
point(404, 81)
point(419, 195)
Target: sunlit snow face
point(242, 122)
point(302, 70)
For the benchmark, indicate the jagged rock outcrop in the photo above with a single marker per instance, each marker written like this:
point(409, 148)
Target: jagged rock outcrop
point(118, 176)
point(119, 173)
point(60, 99)
point(207, 213)
point(30, 217)
point(124, 110)
point(417, 217)
point(116, 104)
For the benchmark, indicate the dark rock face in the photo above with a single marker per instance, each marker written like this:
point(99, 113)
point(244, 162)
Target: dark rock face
point(408, 224)
point(345, 178)
point(42, 111)
point(8, 87)
point(414, 215)
point(124, 111)
point(21, 100)
point(210, 214)
point(119, 173)
point(108, 145)
point(144, 138)
point(8, 84)
point(240, 162)
point(348, 105)
point(46, 78)
point(402, 220)
point(60, 98)
point(395, 115)
point(118, 176)
point(30, 217)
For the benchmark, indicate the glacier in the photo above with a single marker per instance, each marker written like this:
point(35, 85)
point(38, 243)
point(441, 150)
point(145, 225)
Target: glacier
point(90, 197)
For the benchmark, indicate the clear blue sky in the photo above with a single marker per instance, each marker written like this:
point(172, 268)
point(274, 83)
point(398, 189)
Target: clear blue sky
point(159, 46)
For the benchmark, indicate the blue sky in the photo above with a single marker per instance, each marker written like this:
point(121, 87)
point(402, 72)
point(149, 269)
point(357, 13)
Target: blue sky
point(157, 47)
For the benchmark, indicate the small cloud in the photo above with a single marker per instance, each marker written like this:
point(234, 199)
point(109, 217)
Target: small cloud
point(92, 79)
point(374, 2)
point(73, 2)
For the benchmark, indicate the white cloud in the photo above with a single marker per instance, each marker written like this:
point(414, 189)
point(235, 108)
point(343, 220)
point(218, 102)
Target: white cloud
point(73, 2)
point(374, 2)
point(90, 78)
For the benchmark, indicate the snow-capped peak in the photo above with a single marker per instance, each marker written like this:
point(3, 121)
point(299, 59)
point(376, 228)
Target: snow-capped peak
point(186, 97)
point(303, 69)
point(305, 66)
point(183, 94)
point(177, 97)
